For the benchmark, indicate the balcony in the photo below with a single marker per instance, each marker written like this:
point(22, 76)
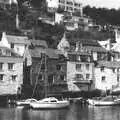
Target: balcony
point(81, 81)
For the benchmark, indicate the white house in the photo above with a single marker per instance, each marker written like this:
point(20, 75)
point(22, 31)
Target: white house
point(107, 75)
point(11, 71)
point(66, 5)
point(17, 43)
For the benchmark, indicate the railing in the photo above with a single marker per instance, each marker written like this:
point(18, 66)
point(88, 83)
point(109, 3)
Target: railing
point(81, 81)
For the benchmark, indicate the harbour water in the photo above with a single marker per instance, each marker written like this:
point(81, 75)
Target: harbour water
point(74, 112)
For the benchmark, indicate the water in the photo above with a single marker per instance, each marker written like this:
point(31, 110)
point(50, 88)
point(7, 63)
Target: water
point(75, 112)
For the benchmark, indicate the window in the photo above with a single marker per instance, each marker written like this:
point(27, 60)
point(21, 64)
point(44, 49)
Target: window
point(62, 1)
point(12, 45)
point(62, 77)
point(50, 78)
point(102, 69)
point(1, 66)
point(103, 78)
point(43, 67)
point(40, 77)
point(78, 58)
point(113, 70)
point(78, 67)
point(10, 66)
point(87, 76)
point(79, 76)
point(87, 66)
point(59, 67)
point(1, 77)
point(13, 77)
point(8, 53)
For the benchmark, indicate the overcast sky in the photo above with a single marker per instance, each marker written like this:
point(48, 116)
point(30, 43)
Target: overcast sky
point(103, 3)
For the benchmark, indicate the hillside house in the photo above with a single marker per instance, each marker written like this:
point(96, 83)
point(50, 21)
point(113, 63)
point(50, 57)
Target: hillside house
point(66, 5)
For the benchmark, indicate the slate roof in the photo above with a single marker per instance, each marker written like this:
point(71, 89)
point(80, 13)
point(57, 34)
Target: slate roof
point(95, 49)
point(37, 52)
point(51, 53)
point(17, 39)
point(108, 64)
point(41, 43)
point(84, 42)
point(78, 53)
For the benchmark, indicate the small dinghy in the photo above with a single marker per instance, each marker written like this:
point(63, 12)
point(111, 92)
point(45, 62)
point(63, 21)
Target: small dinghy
point(105, 101)
point(50, 103)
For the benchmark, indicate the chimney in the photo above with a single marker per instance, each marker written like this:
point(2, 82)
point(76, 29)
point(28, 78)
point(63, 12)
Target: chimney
point(3, 34)
point(117, 35)
point(109, 44)
point(77, 46)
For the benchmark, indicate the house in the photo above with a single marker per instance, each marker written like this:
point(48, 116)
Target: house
point(45, 64)
point(17, 43)
point(66, 5)
point(80, 71)
point(80, 66)
point(11, 71)
point(107, 75)
point(73, 22)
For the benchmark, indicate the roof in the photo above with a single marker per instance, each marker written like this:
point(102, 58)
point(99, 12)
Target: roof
point(37, 52)
point(17, 39)
point(95, 49)
point(53, 53)
point(41, 43)
point(78, 53)
point(109, 64)
point(90, 42)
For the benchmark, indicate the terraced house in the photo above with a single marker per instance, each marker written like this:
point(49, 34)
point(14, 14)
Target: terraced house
point(11, 71)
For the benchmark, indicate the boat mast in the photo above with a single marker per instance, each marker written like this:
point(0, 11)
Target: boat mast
point(46, 77)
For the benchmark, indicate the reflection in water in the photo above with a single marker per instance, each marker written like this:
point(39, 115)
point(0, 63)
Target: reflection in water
point(75, 112)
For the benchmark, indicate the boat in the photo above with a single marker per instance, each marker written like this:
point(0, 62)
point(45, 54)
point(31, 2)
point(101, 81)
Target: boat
point(25, 102)
point(105, 101)
point(50, 103)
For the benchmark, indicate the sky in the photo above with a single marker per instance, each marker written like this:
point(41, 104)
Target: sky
point(102, 3)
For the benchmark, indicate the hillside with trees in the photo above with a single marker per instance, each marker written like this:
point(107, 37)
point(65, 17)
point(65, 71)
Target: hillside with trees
point(103, 15)
point(52, 34)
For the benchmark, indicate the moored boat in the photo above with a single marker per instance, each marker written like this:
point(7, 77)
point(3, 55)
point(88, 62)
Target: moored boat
point(25, 102)
point(105, 101)
point(50, 103)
